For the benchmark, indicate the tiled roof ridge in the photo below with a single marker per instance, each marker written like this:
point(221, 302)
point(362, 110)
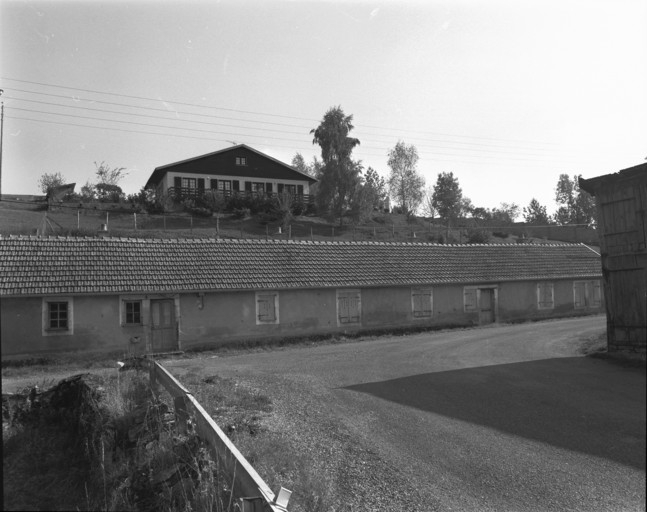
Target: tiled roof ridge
point(278, 241)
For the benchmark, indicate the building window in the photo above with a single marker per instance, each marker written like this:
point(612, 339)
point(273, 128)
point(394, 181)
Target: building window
point(267, 308)
point(469, 300)
point(421, 302)
point(224, 185)
point(258, 187)
point(133, 310)
point(190, 183)
point(349, 307)
point(241, 160)
point(57, 316)
point(587, 294)
point(545, 296)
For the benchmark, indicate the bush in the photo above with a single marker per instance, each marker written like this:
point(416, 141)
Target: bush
point(240, 213)
point(478, 236)
point(196, 207)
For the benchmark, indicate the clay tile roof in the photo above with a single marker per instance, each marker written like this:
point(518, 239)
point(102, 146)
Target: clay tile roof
point(36, 266)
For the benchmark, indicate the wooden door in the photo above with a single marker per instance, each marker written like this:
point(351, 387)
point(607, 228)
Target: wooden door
point(486, 306)
point(163, 327)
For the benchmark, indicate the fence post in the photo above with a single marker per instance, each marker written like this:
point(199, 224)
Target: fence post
point(135, 217)
point(152, 377)
point(181, 413)
point(78, 219)
point(107, 217)
point(218, 225)
point(191, 217)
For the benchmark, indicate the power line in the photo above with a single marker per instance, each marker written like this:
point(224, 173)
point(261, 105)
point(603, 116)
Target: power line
point(482, 153)
point(431, 146)
point(432, 155)
point(155, 99)
point(389, 129)
point(147, 115)
point(514, 150)
point(150, 108)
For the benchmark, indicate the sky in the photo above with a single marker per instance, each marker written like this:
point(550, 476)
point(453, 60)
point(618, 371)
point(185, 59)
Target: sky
point(505, 94)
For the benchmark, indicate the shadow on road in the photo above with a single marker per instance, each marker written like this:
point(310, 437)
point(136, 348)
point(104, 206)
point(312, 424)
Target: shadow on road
point(577, 403)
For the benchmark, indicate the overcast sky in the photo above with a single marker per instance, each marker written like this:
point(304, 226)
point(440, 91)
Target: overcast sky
point(505, 94)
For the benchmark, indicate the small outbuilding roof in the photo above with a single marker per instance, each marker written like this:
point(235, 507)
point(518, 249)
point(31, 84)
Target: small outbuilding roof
point(34, 266)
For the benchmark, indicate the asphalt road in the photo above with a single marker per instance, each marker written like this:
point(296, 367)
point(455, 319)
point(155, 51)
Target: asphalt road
point(499, 418)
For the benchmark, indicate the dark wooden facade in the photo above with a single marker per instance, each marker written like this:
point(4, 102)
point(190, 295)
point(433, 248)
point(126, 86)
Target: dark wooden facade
point(236, 170)
point(622, 221)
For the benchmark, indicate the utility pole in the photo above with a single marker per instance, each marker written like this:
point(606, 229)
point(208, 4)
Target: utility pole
point(1, 135)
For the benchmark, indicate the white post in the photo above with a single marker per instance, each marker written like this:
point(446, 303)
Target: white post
point(107, 216)
point(135, 215)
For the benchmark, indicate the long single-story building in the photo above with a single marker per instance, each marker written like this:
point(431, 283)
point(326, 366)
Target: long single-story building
point(145, 295)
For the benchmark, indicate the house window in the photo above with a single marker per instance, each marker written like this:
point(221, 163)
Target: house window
point(267, 308)
point(545, 296)
point(224, 185)
point(587, 294)
point(241, 160)
point(57, 313)
point(349, 307)
point(133, 310)
point(469, 300)
point(190, 183)
point(57, 316)
point(258, 187)
point(290, 189)
point(421, 302)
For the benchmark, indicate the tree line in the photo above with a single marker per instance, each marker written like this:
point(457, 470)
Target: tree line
point(347, 190)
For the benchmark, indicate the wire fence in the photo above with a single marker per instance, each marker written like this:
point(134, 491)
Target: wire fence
point(119, 220)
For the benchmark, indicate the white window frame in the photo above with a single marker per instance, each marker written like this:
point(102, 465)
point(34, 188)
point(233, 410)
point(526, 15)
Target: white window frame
point(241, 160)
point(422, 292)
point(267, 296)
point(541, 304)
point(349, 293)
point(46, 329)
point(189, 183)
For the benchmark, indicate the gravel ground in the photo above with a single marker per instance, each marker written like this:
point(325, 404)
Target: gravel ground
point(419, 453)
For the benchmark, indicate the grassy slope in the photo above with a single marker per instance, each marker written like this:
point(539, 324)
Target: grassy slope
point(26, 219)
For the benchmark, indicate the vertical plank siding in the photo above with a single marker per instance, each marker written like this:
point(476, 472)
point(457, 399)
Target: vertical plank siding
point(622, 212)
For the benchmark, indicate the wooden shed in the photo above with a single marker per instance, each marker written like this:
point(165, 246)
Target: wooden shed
point(622, 222)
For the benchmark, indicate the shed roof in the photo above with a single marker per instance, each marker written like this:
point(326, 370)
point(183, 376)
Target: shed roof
point(31, 266)
point(629, 175)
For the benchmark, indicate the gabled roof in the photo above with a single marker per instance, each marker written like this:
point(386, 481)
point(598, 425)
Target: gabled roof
point(65, 265)
point(159, 172)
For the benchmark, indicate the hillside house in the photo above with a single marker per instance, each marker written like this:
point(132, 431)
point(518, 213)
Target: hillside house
point(235, 170)
point(144, 295)
point(621, 200)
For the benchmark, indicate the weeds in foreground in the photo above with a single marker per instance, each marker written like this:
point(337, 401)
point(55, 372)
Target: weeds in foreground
point(119, 450)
